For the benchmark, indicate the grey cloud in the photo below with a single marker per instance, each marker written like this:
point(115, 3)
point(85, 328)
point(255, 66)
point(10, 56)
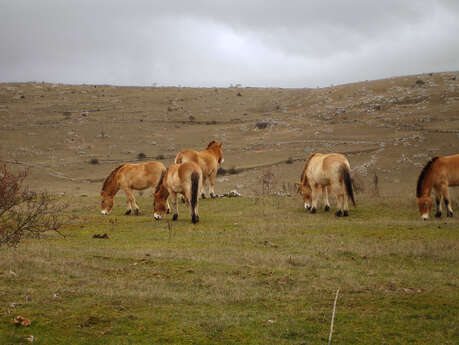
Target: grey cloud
point(207, 43)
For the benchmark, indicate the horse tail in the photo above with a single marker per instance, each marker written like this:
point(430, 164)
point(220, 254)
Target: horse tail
point(346, 175)
point(194, 189)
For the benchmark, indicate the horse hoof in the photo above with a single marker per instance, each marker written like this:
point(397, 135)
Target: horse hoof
point(136, 212)
point(327, 208)
point(203, 196)
point(339, 213)
point(449, 214)
point(212, 195)
point(313, 210)
point(438, 214)
point(346, 213)
point(128, 212)
point(175, 216)
point(168, 211)
point(194, 219)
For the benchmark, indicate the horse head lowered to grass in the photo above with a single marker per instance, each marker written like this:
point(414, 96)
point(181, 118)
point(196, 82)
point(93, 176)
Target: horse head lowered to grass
point(184, 178)
point(129, 176)
point(437, 174)
point(324, 174)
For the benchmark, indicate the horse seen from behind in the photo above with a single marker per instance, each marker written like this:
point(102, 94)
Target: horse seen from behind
point(184, 178)
point(208, 160)
point(129, 176)
point(437, 174)
point(324, 174)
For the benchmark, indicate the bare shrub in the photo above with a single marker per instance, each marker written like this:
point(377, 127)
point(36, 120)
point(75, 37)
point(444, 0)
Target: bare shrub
point(94, 161)
point(376, 185)
point(358, 183)
point(141, 155)
point(160, 157)
point(268, 181)
point(23, 211)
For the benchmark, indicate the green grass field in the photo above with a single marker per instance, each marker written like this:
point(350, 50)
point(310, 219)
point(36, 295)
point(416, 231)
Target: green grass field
point(253, 271)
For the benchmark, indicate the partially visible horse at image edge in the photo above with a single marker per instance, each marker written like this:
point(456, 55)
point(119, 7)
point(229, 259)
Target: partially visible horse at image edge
point(129, 176)
point(324, 174)
point(438, 174)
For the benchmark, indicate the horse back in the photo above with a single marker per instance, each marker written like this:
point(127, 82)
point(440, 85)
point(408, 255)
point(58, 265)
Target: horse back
point(141, 175)
point(178, 177)
point(446, 169)
point(325, 169)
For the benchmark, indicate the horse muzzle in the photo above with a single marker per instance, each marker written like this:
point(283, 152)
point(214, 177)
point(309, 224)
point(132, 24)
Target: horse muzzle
point(156, 216)
point(425, 216)
point(104, 212)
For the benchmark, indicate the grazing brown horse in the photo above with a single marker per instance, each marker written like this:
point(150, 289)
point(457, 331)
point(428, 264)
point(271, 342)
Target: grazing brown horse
point(437, 174)
point(327, 173)
point(208, 160)
point(127, 177)
point(184, 178)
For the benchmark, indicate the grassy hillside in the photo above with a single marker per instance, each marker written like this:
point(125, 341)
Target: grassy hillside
point(387, 127)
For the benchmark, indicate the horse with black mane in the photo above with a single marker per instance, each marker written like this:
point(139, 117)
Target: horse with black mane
point(184, 178)
point(324, 174)
point(129, 176)
point(437, 174)
point(208, 160)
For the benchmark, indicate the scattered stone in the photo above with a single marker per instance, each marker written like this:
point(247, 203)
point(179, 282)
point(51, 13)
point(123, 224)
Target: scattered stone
point(104, 236)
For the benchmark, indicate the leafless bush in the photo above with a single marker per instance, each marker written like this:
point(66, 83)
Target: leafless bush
point(376, 185)
point(23, 211)
point(358, 183)
point(268, 181)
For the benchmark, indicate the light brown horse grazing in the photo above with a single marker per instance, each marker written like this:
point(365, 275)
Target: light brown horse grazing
point(127, 177)
point(184, 178)
point(208, 160)
point(437, 174)
point(327, 173)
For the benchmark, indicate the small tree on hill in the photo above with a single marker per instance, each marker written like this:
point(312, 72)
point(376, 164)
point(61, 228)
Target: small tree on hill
point(23, 211)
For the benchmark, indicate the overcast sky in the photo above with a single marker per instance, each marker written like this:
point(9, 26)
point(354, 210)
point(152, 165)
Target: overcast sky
point(285, 43)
